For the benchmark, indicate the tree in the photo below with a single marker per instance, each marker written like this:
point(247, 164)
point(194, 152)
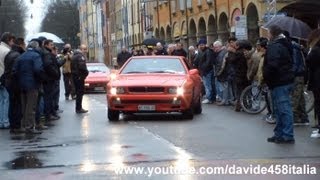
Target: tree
point(12, 16)
point(62, 20)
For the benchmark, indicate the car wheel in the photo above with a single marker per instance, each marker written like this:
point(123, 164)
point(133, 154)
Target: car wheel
point(113, 115)
point(198, 107)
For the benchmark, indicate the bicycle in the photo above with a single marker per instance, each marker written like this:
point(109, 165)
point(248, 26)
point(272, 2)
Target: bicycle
point(253, 99)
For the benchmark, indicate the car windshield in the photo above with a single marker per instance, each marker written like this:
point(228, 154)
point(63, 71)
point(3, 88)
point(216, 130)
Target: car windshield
point(97, 68)
point(154, 65)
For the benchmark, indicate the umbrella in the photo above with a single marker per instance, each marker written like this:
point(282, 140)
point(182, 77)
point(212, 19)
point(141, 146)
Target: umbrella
point(47, 35)
point(296, 28)
point(152, 42)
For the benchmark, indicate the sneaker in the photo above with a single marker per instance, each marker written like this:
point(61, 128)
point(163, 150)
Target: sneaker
point(315, 135)
point(74, 97)
point(269, 119)
point(315, 131)
point(206, 101)
point(81, 111)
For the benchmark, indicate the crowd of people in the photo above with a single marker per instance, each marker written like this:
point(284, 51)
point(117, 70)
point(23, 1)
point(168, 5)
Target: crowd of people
point(30, 77)
point(30, 82)
point(277, 62)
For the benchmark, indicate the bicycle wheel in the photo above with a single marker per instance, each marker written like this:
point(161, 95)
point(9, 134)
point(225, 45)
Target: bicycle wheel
point(252, 100)
point(308, 96)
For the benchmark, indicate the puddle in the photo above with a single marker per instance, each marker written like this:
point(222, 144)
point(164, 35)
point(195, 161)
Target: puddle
point(26, 160)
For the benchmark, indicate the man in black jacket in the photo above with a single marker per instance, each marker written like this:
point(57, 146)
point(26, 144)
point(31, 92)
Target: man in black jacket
point(79, 73)
point(15, 112)
point(52, 75)
point(278, 75)
point(122, 57)
point(204, 63)
point(179, 51)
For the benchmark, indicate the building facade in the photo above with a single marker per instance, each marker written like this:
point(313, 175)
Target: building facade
point(107, 25)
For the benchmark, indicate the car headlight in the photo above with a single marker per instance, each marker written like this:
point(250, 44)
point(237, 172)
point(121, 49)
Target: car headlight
point(176, 90)
point(87, 84)
point(180, 91)
point(117, 90)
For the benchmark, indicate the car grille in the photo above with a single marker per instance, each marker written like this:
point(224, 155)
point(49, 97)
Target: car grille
point(146, 89)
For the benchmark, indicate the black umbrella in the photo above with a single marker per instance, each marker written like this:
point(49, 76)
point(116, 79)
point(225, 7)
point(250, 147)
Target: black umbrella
point(152, 42)
point(296, 28)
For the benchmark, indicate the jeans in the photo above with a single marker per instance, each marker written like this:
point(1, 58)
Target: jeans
point(282, 109)
point(4, 107)
point(207, 82)
point(316, 94)
point(227, 96)
point(219, 89)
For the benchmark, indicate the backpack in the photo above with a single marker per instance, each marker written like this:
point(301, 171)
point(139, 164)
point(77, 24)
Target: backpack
point(298, 59)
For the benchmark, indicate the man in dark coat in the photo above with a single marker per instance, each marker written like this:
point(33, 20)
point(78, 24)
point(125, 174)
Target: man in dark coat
point(160, 50)
point(53, 74)
point(204, 63)
point(123, 56)
point(278, 75)
point(13, 88)
point(29, 68)
point(179, 51)
point(79, 73)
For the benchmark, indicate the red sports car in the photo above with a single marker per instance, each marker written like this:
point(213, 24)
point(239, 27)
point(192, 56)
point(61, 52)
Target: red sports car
point(98, 77)
point(153, 84)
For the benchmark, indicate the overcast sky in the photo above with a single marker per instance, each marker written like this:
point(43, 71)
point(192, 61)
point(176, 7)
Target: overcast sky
point(38, 10)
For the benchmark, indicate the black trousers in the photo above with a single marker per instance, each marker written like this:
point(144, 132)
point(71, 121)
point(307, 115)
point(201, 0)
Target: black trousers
point(316, 94)
point(15, 112)
point(68, 84)
point(79, 87)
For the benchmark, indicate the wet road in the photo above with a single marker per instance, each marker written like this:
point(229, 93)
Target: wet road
point(89, 147)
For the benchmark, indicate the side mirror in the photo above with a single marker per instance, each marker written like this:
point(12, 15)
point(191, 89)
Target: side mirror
point(194, 72)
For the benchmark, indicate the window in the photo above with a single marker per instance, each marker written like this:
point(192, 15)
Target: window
point(154, 65)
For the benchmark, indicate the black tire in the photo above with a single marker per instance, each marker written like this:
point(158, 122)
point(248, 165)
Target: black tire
point(247, 99)
point(198, 107)
point(113, 115)
point(188, 114)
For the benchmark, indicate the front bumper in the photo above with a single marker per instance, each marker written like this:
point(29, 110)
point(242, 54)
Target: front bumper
point(162, 103)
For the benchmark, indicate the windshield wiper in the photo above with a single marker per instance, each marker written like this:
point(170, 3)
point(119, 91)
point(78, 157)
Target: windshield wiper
point(166, 71)
point(133, 72)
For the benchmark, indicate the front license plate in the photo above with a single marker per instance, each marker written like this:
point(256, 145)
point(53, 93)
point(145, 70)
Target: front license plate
point(146, 107)
point(98, 88)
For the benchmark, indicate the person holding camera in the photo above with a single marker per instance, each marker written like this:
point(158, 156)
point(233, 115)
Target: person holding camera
point(66, 70)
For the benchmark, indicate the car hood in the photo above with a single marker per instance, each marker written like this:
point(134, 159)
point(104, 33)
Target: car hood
point(149, 80)
point(97, 76)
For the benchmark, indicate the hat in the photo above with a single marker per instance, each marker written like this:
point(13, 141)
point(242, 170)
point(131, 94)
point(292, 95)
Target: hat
point(202, 41)
point(41, 38)
point(263, 42)
point(37, 40)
